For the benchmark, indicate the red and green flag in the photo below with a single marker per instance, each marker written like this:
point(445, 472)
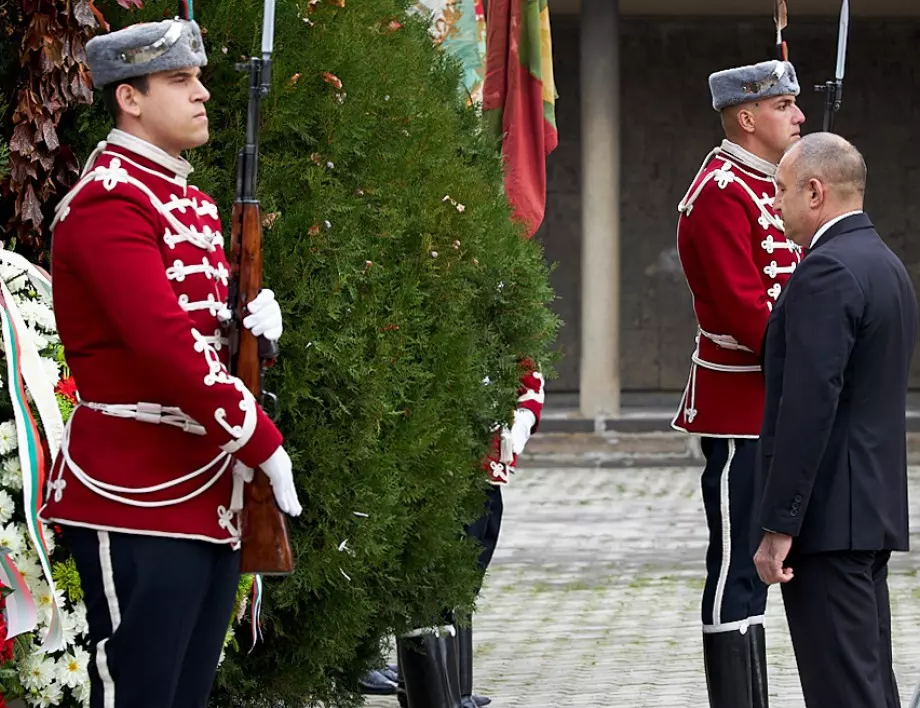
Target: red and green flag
point(519, 100)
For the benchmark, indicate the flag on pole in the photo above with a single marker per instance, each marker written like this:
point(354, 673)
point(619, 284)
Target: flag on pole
point(519, 100)
point(459, 27)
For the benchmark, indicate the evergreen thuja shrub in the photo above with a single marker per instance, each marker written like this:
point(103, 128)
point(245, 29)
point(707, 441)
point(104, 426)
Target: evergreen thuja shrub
point(409, 299)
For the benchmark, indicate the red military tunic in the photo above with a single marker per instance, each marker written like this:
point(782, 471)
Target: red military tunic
point(736, 260)
point(140, 284)
point(503, 461)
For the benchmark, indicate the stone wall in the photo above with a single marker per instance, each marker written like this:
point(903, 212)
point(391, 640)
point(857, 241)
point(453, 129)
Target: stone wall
point(668, 127)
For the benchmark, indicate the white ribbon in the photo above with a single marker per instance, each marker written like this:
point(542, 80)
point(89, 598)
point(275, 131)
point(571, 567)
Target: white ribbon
point(40, 387)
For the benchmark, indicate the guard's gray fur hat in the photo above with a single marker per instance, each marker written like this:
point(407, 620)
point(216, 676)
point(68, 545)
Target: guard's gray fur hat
point(145, 48)
point(753, 83)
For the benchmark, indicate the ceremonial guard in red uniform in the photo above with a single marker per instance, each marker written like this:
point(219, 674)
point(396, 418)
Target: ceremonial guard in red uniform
point(436, 667)
point(736, 260)
point(149, 482)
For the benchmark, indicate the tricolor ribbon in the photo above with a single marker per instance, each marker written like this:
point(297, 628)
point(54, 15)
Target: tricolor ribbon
point(186, 11)
point(21, 615)
point(25, 371)
point(255, 611)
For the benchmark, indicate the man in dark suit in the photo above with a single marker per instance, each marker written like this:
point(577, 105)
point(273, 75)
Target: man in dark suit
point(832, 475)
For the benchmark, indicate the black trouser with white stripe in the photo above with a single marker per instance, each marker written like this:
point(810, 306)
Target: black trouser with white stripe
point(734, 596)
point(158, 611)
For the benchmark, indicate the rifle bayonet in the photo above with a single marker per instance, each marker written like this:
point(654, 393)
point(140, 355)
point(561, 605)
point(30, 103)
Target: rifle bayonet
point(833, 90)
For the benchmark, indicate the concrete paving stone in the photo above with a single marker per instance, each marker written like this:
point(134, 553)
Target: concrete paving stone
point(592, 600)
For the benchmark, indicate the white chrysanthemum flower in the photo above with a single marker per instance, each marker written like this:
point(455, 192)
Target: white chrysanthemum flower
point(44, 601)
point(11, 474)
point(38, 314)
point(8, 441)
point(52, 370)
point(79, 618)
point(81, 693)
point(68, 627)
point(42, 315)
point(50, 696)
point(7, 507)
point(72, 668)
point(41, 593)
point(46, 318)
point(27, 309)
point(37, 672)
point(29, 568)
point(11, 537)
point(48, 534)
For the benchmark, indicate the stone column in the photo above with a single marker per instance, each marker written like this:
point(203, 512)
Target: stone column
point(599, 387)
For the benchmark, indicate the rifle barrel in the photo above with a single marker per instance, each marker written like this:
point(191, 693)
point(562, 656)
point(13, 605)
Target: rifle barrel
point(250, 151)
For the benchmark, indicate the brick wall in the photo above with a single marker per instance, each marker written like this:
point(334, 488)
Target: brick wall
point(668, 127)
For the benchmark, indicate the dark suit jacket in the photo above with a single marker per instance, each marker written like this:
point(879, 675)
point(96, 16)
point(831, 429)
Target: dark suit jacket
point(833, 462)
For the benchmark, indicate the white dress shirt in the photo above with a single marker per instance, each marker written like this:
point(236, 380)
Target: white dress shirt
point(830, 223)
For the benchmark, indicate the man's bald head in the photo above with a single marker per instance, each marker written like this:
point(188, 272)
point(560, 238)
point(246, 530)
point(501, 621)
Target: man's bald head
point(819, 178)
point(832, 161)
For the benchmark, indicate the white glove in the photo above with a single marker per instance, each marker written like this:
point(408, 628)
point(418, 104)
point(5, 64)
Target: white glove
point(521, 429)
point(266, 316)
point(278, 469)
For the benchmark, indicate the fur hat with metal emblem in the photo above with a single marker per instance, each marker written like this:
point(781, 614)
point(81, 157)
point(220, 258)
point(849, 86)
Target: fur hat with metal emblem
point(753, 83)
point(145, 48)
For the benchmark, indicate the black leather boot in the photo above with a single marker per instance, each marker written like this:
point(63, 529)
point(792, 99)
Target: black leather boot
point(729, 673)
point(465, 642)
point(429, 670)
point(454, 653)
point(401, 686)
point(758, 641)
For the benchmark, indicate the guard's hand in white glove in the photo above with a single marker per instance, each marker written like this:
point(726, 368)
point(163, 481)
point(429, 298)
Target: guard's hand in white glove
point(524, 420)
point(278, 469)
point(265, 317)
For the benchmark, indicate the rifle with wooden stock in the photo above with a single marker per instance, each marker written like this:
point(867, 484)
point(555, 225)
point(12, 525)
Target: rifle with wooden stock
point(266, 548)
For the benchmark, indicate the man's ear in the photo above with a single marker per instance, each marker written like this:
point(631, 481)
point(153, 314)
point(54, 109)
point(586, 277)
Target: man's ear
point(815, 192)
point(746, 120)
point(126, 96)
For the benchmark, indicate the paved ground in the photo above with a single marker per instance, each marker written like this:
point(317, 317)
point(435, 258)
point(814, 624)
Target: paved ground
point(592, 599)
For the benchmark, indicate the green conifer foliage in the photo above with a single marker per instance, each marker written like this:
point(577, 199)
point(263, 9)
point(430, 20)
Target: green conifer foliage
point(404, 284)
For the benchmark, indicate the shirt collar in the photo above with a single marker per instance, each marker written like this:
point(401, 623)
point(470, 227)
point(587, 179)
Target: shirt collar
point(823, 230)
point(748, 159)
point(176, 165)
